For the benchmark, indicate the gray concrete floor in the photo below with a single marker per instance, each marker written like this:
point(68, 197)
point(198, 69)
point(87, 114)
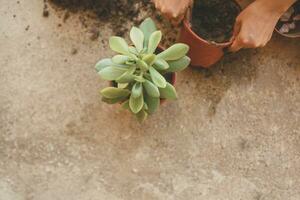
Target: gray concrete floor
point(234, 133)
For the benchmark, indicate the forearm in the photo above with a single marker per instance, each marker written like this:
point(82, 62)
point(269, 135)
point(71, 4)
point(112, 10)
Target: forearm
point(279, 6)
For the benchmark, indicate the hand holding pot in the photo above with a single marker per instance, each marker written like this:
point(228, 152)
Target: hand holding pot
point(173, 9)
point(255, 25)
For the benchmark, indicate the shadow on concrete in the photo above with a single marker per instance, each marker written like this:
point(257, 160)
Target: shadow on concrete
point(213, 83)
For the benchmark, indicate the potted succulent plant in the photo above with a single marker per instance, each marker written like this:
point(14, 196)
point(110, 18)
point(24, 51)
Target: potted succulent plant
point(207, 29)
point(141, 74)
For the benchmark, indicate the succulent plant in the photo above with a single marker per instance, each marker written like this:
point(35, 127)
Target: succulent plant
point(138, 72)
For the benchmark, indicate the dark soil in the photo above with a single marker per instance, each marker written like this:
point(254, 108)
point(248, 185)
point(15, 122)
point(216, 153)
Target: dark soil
point(116, 12)
point(214, 20)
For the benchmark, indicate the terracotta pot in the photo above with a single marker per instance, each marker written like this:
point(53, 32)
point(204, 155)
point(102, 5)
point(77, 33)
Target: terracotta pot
point(203, 53)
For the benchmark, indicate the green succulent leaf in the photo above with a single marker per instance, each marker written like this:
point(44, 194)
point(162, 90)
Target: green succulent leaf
point(112, 92)
point(168, 92)
point(151, 89)
point(112, 73)
point(174, 52)
point(141, 116)
point(122, 85)
point(128, 76)
point(142, 65)
point(160, 64)
point(125, 105)
point(157, 78)
point(136, 104)
point(137, 37)
point(118, 45)
point(137, 90)
point(133, 50)
point(179, 65)
point(114, 100)
point(152, 102)
point(106, 62)
point(148, 27)
point(145, 107)
point(154, 40)
point(120, 59)
point(149, 59)
point(139, 79)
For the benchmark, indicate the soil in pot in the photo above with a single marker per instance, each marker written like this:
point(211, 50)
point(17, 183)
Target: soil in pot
point(213, 20)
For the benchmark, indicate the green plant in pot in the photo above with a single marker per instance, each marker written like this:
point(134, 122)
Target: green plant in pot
point(142, 73)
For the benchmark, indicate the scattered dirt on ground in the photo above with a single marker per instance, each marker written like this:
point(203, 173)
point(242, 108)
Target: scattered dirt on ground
point(74, 51)
point(118, 14)
point(213, 20)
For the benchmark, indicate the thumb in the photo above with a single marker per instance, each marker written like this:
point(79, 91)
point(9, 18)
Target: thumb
point(234, 39)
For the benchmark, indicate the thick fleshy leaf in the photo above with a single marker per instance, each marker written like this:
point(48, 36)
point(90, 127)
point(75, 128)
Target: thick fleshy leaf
point(133, 50)
point(112, 73)
point(139, 79)
point(142, 65)
point(136, 104)
point(120, 59)
point(152, 102)
point(112, 92)
point(148, 27)
point(128, 76)
point(168, 92)
point(174, 52)
point(145, 107)
point(151, 89)
point(137, 37)
point(114, 100)
point(125, 105)
point(106, 62)
point(141, 116)
point(137, 90)
point(160, 64)
point(118, 45)
point(179, 65)
point(149, 59)
point(157, 78)
point(122, 85)
point(154, 40)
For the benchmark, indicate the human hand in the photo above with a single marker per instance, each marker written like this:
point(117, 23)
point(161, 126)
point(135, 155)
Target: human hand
point(255, 25)
point(173, 9)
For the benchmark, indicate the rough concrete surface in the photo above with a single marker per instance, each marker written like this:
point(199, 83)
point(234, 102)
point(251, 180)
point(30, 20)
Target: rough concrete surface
point(234, 133)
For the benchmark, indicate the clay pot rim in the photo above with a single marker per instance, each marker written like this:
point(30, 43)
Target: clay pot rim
point(187, 25)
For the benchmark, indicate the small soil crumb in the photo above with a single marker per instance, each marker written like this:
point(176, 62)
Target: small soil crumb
point(74, 51)
point(94, 34)
point(27, 28)
point(66, 16)
point(45, 13)
point(214, 20)
point(14, 16)
point(45, 9)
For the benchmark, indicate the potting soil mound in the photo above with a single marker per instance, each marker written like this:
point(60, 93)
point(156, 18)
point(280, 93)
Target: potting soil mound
point(116, 12)
point(214, 20)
